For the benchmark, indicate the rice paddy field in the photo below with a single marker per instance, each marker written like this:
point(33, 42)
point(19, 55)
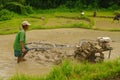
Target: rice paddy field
point(61, 28)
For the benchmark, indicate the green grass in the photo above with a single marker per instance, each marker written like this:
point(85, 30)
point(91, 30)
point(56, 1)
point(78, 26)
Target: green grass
point(69, 70)
point(58, 19)
point(116, 30)
point(25, 77)
point(101, 13)
point(51, 21)
point(112, 30)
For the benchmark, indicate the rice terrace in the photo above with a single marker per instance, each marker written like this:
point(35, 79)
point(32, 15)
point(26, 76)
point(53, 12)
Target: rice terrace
point(66, 40)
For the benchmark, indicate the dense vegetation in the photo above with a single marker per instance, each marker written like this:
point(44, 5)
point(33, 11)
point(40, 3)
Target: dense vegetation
point(5, 15)
point(80, 71)
point(80, 4)
point(25, 7)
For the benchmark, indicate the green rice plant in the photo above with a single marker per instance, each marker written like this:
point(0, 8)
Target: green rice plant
point(61, 73)
point(25, 77)
point(69, 70)
point(90, 20)
point(66, 68)
point(56, 74)
point(87, 71)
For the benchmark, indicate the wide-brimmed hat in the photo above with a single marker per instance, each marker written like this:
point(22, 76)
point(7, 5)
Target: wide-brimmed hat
point(25, 23)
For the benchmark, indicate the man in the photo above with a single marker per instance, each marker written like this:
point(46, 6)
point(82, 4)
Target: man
point(20, 48)
point(82, 13)
point(117, 17)
point(94, 14)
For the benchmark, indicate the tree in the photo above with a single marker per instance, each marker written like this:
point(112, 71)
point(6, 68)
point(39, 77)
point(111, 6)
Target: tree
point(80, 4)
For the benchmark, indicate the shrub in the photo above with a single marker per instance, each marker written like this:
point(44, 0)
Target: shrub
point(18, 8)
point(1, 6)
point(29, 9)
point(15, 7)
point(5, 15)
point(114, 7)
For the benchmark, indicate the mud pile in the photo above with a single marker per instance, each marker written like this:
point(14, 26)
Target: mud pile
point(92, 51)
point(49, 53)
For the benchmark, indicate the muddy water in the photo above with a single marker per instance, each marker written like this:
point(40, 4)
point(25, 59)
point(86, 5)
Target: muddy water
point(8, 63)
point(9, 67)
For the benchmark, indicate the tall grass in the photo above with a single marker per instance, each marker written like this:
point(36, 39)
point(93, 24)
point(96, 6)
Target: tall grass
point(25, 77)
point(69, 70)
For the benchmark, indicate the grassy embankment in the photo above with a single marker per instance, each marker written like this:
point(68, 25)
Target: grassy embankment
point(52, 19)
point(46, 20)
point(79, 71)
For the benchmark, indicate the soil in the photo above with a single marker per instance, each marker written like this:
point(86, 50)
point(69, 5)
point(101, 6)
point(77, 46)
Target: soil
point(106, 23)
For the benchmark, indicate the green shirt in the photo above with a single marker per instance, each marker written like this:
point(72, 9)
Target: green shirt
point(21, 36)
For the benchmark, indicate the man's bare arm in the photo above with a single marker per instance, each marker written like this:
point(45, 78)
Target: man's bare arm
point(22, 46)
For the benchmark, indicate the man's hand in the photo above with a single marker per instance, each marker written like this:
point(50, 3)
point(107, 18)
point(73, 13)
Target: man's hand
point(24, 50)
point(22, 46)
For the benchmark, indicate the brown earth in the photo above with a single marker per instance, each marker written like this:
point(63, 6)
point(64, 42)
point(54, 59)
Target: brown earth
point(106, 23)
